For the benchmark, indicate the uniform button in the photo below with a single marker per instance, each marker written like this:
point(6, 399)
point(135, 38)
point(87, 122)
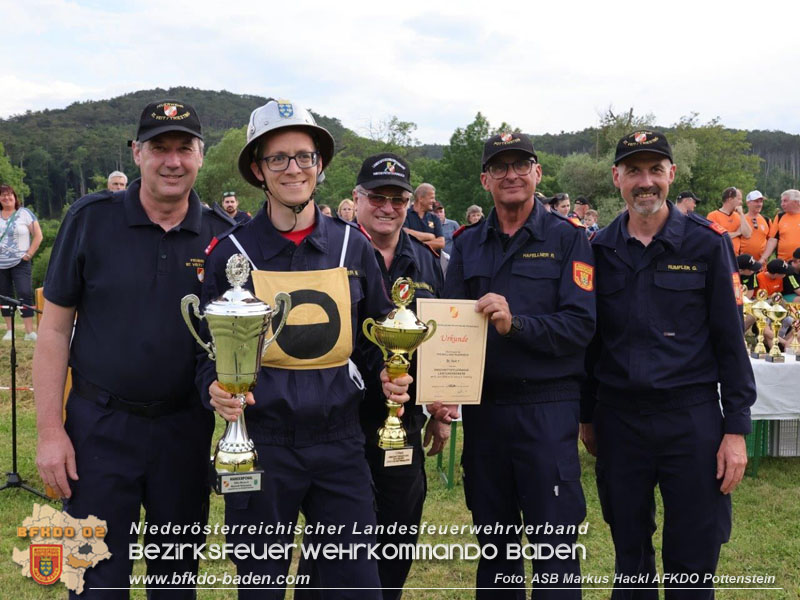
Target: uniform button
point(163, 256)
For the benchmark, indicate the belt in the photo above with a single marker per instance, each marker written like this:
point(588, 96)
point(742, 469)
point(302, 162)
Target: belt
point(89, 391)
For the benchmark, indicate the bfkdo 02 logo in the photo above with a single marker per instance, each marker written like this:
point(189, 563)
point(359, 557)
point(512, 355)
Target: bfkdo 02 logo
point(46, 562)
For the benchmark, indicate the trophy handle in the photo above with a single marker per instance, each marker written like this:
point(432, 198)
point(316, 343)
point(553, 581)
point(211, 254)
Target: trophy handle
point(369, 332)
point(194, 302)
point(285, 301)
point(431, 330)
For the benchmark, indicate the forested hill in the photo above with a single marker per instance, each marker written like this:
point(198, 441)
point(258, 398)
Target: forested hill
point(61, 150)
point(66, 152)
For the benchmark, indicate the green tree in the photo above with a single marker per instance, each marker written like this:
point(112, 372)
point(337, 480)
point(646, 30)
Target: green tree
point(614, 127)
point(11, 175)
point(551, 165)
point(582, 175)
point(723, 159)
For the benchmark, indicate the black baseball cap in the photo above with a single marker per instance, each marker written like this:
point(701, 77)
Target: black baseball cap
point(745, 261)
point(384, 169)
point(796, 254)
point(777, 266)
point(687, 194)
point(582, 200)
point(643, 141)
point(506, 141)
point(165, 116)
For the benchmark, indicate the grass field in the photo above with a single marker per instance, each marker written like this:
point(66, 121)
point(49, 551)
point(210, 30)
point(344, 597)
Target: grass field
point(765, 539)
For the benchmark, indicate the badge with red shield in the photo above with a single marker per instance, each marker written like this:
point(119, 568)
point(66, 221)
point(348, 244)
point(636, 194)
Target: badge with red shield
point(46, 562)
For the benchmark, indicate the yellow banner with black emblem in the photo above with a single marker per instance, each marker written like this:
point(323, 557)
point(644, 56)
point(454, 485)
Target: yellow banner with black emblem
point(318, 333)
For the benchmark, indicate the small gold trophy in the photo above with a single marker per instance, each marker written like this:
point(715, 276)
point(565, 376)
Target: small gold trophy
point(398, 335)
point(794, 347)
point(747, 310)
point(238, 322)
point(759, 309)
point(776, 313)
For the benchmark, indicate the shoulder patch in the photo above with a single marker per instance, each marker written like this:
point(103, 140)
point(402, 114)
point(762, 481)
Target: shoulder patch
point(464, 227)
point(219, 237)
point(718, 229)
point(577, 222)
point(82, 203)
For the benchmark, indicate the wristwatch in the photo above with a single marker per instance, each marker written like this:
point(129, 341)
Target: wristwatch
point(516, 327)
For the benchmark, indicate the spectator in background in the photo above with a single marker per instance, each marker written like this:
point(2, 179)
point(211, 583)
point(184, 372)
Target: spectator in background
point(590, 222)
point(117, 180)
point(772, 279)
point(231, 207)
point(20, 236)
point(560, 204)
point(581, 206)
point(421, 223)
point(784, 231)
point(686, 202)
point(729, 216)
point(325, 210)
point(449, 226)
point(748, 267)
point(346, 210)
point(474, 214)
point(757, 242)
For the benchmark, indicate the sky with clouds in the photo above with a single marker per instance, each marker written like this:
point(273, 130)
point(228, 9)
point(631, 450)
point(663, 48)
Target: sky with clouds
point(545, 67)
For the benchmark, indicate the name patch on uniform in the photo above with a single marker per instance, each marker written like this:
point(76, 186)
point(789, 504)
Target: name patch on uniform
point(684, 267)
point(354, 273)
point(583, 275)
point(737, 288)
point(538, 255)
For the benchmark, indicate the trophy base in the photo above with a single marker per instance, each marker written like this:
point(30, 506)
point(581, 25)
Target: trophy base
point(398, 457)
point(759, 355)
point(233, 482)
point(776, 359)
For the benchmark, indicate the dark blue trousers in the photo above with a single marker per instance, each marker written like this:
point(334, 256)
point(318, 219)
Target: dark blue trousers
point(523, 459)
point(330, 482)
point(675, 450)
point(125, 462)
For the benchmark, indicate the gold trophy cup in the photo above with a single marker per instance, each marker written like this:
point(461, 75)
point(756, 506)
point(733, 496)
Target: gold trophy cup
point(760, 308)
point(397, 336)
point(776, 313)
point(747, 310)
point(238, 322)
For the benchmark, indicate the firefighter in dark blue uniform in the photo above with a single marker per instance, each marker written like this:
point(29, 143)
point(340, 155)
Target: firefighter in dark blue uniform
point(136, 433)
point(669, 334)
point(381, 194)
point(531, 272)
point(304, 417)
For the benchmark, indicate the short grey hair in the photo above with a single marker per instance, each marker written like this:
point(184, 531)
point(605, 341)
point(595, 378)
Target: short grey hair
point(423, 189)
point(117, 174)
point(201, 146)
point(793, 195)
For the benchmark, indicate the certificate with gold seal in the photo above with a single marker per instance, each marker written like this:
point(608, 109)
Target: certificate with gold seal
point(450, 365)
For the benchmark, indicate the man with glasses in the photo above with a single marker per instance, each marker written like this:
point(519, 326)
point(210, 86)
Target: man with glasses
point(421, 222)
point(381, 195)
point(532, 275)
point(231, 207)
point(304, 413)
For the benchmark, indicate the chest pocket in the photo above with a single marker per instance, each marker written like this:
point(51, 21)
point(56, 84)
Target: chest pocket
point(682, 294)
point(534, 286)
point(476, 276)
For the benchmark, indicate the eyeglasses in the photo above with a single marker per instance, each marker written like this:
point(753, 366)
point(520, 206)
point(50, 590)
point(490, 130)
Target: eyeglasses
point(280, 162)
point(498, 170)
point(379, 200)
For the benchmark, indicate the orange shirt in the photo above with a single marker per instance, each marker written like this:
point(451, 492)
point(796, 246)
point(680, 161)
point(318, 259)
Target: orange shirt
point(765, 282)
point(757, 242)
point(786, 228)
point(729, 223)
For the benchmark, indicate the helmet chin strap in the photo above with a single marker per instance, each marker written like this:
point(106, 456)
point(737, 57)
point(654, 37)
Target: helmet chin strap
point(296, 210)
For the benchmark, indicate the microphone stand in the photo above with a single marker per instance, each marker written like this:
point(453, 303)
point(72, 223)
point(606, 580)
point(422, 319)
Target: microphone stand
point(13, 479)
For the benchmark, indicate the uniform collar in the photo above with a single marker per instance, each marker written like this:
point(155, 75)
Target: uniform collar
point(135, 215)
point(271, 242)
point(671, 233)
point(535, 224)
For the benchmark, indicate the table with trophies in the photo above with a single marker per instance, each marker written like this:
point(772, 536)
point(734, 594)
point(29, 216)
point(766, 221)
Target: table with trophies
point(776, 413)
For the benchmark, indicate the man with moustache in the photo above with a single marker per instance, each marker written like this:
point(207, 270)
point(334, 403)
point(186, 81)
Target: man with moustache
point(231, 207)
point(668, 338)
point(531, 272)
point(135, 434)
